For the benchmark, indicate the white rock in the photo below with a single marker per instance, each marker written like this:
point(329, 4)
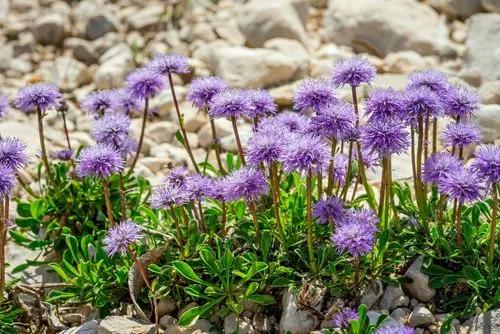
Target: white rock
point(372, 293)
point(381, 27)
point(87, 328)
point(393, 297)
point(488, 322)
point(223, 128)
point(284, 95)
point(491, 5)
point(228, 143)
point(295, 320)
point(457, 8)
point(234, 325)
point(230, 31)
point(294, 50)
point(4, 9)
point(161, 132)
point(68, 73)
point(49, 29)
point(6, 54)
point(488, 121)
point(406, 61)
point(146, 18)
point(164, 103)
point(25, 131)
point(490, 92)
point(417, 283)
point(123, 325)
point(116, 63)
point(201, 326)
point(374, 316)
point(420, 317)
point(401, 315)
point(153, 164)
point(193, 118)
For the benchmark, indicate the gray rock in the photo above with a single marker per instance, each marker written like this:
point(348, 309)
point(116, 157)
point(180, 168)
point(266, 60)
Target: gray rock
point(420, 317)
point(295, 51)
point(25, 43)
point(491, 5)
point(116, 63)
point(295, 320)
point(222, 127)
point(261, 323)
point(165, 306)
point(374, 316)
point(167, 321)
point(393, 297)
point(234, 325)
point(488, 121)
point(482, 45)
point(201, 326)
point(457, 8)
point(471, 76)
point(87, 328)
point(401, 314)
point(147, 18)
point(99, 25)
point(371, 293)
point(71, 318)
point(230, 31)
point(123, 325)
point(49, 29)
point(381, 27)
point(161, 132)
point(6, 54)
point(82, 50)
point(417, 283)
point(490, 92)
point(488, 322)
point(261, 20)
point(406, 61)
point(68, 73)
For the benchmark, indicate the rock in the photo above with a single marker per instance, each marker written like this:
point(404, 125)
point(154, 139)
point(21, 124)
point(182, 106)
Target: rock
point(312, 295)
point(4, 9)
point(482, 45)
point(371, 293)
point(374, 316)
point(71, 318)
point(237, 66)
point(201, 31)
point(223, 128)
point(262, 323)
point(49, 29)
point(161, 132)
point(6, 54)
point(295, 51)
point(229, 144)
point(165, 306)
point(68, 73)
point(420, 317)
point(201, 326)
point(490, 92)
point(417, 283)
point(262, 20)
point(406, 61)
point(284, 95)
point(25, 43)
point(234, 325)
point(396, 81)
point(115, 64)
point(382, 27)
point(123, 325)
point(401, 315)
point(82, 50)
point(295, 320)
point(457, 8)
point(24, 131)
point(87, 328)
point(491, 5)
point(146, 18)
point(164, 103)
point(193, 118)
point(488, 121)
point(393, 297)
point(167, 321)
point(230, 31)
point(471, 76)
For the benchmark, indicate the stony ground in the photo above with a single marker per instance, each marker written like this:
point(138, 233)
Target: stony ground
point(93, 44)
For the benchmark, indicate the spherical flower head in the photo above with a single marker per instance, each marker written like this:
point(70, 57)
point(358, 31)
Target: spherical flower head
point(99, 102)
point(487, 163)
point(262, 103)
point(285, 122)
point(383, 104)
point(363, 216)
point(177, 176)
point(230, 103)
point(43, 96)
point(354, 238)
point(353, 71)
point(217, 190)
point(306, 153)
point(112, 129)
point(340, 163)
point(197, 186)
point(203, 89)
point(433, 80)
point(13, 153)
point(314, 94)
point(246, 183)
point(329, 209)
point(100, 161)
point(121, 237)
point(7, 181)
point(4, 105)
point(144, 84)
point(460, 134)
point(342, 318)
point(166, 196)
point(265, 147)
point(463, 184)
point(421, 102)
point(333, 121)
point(461, 101)
point(127, 147)
point(395, 329)
point(64, 155)
point(385, 137)
point(438, 165)
point(123, 102)
point(169, 63)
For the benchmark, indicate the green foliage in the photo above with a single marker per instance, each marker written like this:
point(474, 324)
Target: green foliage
point(8, 315)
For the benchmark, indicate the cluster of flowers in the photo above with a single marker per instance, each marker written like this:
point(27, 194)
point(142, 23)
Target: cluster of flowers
point(343, 317)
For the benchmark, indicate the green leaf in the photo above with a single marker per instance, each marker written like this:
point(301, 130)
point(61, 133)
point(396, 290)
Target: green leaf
point(262, 299)
point(209, 259)
point(252, 287)
point(187, 272)
point(472, 273)
point(189, 317)
point(37, 209)
point(179, 137)
point(60, 271)
point(73, 247)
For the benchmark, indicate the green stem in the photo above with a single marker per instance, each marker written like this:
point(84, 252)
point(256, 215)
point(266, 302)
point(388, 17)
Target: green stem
point(310, 236)
point(216, 145)
point(224, 219)
point(253, 211)
point(123, 198)
point(275, 191)
point(434, 134)
point(329, 188)
point(41, 135)
point(458, 223)
point(107, 200)
point(493, 225)
point(3, 224)
point(238, 141)
point(364, 180)
point(390, 191)
point(177, 226)
point(141, 136)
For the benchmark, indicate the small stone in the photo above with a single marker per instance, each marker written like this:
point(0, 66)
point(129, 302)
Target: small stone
point(234, 325)
point(201, 326)
point(161, 132)
point(82, 50)
point(371, 293)
point(406, 61)
point(491, 5)
point(488, 322)
point(393, 297)
point(167, 320)
point(165, 306)
point(121, 325)
point(401, 315)
point(284, 95)
point(146, 18)
point(471, 76)
point(374, 316)
point(99, 25)
point(261, 323)
point(490, 92)
point(295, 320)
point(90, 327)
point(417, 283)
point(72, 318)
point(488, 121)
point(49, 29)
point(223, 128)
point(69, 74)
point(463, 329)
point(420, 317)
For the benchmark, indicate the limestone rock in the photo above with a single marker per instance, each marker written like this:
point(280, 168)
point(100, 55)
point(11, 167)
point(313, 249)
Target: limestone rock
point(393, 297)
point(420, 317)
point(490, 92)
point(457, 8)
point(146, 18)
point(406, 61)
point(115, 64)
point(234, 325)
point(371, 293)
point(293, 319)
point(295, 51)
point(201, 326)
point(488, 322)
point(123, 325)
point(417, 283)
point(488, 121)
point(49, 29)
point(68, 73)
point(87, 328)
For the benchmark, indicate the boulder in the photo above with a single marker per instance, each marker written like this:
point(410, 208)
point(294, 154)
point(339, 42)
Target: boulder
point(295, 51)
point(295, 320)
point(381, 27)
point(146, 18)
point(420, 317)
point(49, 29)
point(488, 322)
point(482, 52)
point(115, 64)
point(406, 61)
point(417, 283)
point(82, 50)
point(393, 297)
point(461, 9)
point(401, 314)
point(488, 120)
point(371, 293)
point(123, 325)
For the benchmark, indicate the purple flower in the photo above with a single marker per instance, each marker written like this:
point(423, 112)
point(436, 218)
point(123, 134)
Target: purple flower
point(487, 163)
point(143, 84)
point(285, 122)
point(64, 155)
point(99, 161)
point(384, 103)
point(40, 95)
point(331, 208)
point(433, 80)
point(460, 134)
point(265, 147)
point(4, 104)
point(306, 153)
point(364, 217)
point(169, 63)
point(177, 176)
point(217, 189)
point(7, 181)
point(13, 153)
point(340, 163)
point(197, 186)
point(385, 137)
point(99, 102)
point(460, 101)
point(112, 129)
point(262, 103)
point(464, 185)
point(341, 319)
point(421, 102)
point(246, 183)
point(121, 236)
point(123, 102)
point(314, 94)
point(353, 71)
point(203, 89)
point(354, 238)
point(230, 103)
point(395, 329)
point(333, 121)
point(438, 165)
point(166, 196)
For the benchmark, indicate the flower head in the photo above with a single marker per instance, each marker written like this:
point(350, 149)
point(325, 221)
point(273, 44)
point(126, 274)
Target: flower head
point(314, 94)
point(143, 84)
point(128, 146)
point(342, 318)
point(306, 153)
point(64, 154)
point(100, 160)
point(44, 96)
point(287, 121)
point(438, 165)
point(197, 186)
point(383, 104)
point(121, 236)
point(246, 183)
point(460, 134)
point(365, 217)
point(203, 89)
point(461, 101)
point(421, 102)
point(354, 238)
point(385, 137)
point(340, 163)
point(169, 63)
point(123, 102)
point(433, 80)
point(262, 103)
point(265, 147)
point(13, 153)
point(230, 103)
point(4, 105)
point(331, 208)
point(177, 176)
point(7, 181)
point(487, 163)
point(395, 329)
point(166, 196)
point(333, 121)
point(217, 190)
point(353, 71)
point(463, 184)
point(112, 129)
point(98, 103)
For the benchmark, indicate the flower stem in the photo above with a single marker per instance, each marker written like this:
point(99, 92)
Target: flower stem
point(364, 180)
point(310, 237)
point(381, 200)
point(141, 137)
point(180, 118)
point(177, 226)
point(107, 200)
point(493, 225)
point(440, 213)
point(275, 191)
point(3, 226)
point(224, 219)
point(434, 134)
point(123, 199)
point(356, 274)
point(185, 220)
point(329, 188)
point(458, 223)
point(203, 228)
point(253, 211)
point(216, 145)
point(319, 178)
point(238, 141)
point(348, 175)
point(41, 135)
point(390, 191)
